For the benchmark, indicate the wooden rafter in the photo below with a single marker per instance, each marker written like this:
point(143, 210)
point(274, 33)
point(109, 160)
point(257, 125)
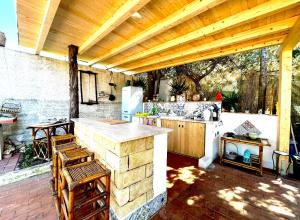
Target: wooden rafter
point(261, 10)
point(50, 11)
point(268, 41)
point(293, 37)
point(184, 14)
point(239, 37)
point(122, 14)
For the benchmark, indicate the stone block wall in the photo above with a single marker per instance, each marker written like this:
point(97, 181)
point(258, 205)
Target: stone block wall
point(40, 84)
point(131, 165)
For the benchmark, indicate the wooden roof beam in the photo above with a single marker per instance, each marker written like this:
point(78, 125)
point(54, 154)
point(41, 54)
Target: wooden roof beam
point(266, 42)
point(236, 38)
point(293, 37)
point(259, 11)
point(50, 11)
point(121, 15)
point(182, 15)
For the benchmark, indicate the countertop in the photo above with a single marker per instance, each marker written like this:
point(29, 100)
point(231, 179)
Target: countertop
point(119, 133)
point(181, 118)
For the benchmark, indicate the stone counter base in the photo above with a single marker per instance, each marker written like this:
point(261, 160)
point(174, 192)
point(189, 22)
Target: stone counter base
point(131, 165)
point(144, 212)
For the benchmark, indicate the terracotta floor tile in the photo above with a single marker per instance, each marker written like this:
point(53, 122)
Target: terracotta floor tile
point(220, 193)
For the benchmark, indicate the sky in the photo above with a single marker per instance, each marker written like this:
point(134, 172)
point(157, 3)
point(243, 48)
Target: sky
point(8, 22)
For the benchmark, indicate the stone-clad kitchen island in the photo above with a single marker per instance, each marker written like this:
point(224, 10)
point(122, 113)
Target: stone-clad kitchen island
point(137, 157)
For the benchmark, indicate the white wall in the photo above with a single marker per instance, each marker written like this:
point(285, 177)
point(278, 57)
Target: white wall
point(267, 124)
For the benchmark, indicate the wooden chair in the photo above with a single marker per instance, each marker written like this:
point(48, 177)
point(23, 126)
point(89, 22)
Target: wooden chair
point(68, 158)
point(85, 191)
point(60, 143)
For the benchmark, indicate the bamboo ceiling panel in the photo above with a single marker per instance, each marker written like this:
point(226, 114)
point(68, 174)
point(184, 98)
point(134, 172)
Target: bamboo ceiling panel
point(76, 20)
point(208, 17)
point(30, 15)
point(222, 51)
point(274, 24)
point(151, 14)
point(204, 22)
point(141, 35)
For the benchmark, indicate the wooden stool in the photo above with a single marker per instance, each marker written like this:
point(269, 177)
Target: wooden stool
point(278, 154)
point(85, 191)
point(59, 143)
point(68, 158)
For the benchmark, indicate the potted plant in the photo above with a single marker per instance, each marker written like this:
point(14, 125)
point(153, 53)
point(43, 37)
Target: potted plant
point(230, 101)
point(178, 87)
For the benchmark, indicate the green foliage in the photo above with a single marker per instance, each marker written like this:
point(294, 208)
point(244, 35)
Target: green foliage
point(27, 159)
point(230, 100)
point(127, 83)
point(296, 52)
point(141, 82)
point(178, 86)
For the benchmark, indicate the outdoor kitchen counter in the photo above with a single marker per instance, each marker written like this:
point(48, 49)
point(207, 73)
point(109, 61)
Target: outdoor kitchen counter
point(121, 132)
point(137, 157)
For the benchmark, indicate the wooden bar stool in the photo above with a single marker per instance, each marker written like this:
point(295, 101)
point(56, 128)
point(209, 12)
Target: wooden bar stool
point(278, 154)
point(68, 158)
point(85, 191)
point(59, 143)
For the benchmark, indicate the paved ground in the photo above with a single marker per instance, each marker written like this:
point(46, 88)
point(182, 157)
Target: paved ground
point(226, 193)
point(27, 199)
point(9, 164)
point(222, 193)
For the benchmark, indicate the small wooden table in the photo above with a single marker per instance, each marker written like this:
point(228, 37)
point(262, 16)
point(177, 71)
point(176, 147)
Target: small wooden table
point(42, 146)
point(259, 142)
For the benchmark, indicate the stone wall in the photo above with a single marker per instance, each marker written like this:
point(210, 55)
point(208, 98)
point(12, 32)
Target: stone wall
point(131, 165)
point(40, 84)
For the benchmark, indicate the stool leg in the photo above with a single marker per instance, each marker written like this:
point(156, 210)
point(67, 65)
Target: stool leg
point(287, 169)
point(273, 161)
point(55, 173)
point(107, 200)
point(61, 202)
point(277, 165)
point(94, 194)
point(59, 176)
point(71, 205)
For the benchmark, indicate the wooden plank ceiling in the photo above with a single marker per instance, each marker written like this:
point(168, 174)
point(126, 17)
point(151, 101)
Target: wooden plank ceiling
point(137, 36)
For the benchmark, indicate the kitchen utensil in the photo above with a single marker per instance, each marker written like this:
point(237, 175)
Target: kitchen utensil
point(253, 135)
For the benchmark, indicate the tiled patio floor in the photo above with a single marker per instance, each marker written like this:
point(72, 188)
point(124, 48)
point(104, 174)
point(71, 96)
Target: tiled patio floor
point(226, 193)
point(9, 164)
point(222, 193)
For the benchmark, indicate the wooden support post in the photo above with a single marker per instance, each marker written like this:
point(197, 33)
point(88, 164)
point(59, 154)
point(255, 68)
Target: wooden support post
point(284, 103)
point(73, 84)
point(150, 83)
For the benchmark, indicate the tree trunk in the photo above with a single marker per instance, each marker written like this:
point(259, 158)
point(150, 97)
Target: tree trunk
point(150, 83)
point(263, 80)
point(158, 76)
point(73, 84)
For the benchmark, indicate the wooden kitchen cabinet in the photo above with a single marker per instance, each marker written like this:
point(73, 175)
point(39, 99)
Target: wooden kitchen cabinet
point(187, 138)
point(173, 137)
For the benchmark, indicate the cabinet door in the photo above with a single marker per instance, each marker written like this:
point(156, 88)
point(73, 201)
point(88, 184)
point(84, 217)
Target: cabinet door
point(173, 137)
point(192, 136)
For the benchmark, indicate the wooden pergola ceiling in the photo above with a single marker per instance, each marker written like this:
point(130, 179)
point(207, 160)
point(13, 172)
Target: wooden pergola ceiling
point(142, 35)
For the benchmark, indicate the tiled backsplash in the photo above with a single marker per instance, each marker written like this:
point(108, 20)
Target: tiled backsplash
point(194, 108)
